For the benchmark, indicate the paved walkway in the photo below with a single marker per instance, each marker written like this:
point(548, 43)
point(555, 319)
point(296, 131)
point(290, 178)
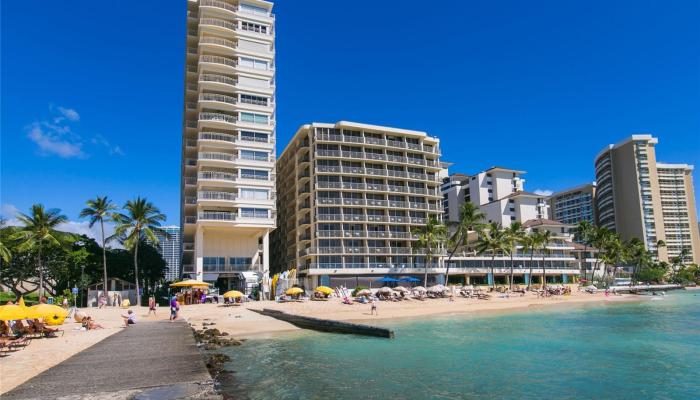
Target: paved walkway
point(158, 355)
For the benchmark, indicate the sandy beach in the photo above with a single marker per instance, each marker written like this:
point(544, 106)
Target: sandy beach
point(241, 322)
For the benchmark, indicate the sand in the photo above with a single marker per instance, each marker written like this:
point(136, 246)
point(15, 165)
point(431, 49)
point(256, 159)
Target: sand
point(241, 322)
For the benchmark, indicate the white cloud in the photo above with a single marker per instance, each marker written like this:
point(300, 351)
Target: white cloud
point(51, 142)
point(101, 140)
point(544, 192)
point(69, 113)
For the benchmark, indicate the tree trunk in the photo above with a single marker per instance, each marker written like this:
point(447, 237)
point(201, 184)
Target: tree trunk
point(493, 276)
point(447, 269)
point(104, 263)
point(41, 274)
point(425, 277)
point(136, 273)
point(544, 272)
point(529, 277)
point(584, 266)
point(510, 281)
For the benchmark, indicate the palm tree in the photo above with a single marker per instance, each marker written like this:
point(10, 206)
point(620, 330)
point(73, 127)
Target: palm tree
point(141, 221)
point(39, 230)
point(530, 242)
point(544, 238)
point(514, 233)
point(584, 232)
point(430, 238)
point(612, 252)
point(5, 253)
point(492, 240)
point(638, 253)
point(97, 210)
point(599, 237)
point(470, 218)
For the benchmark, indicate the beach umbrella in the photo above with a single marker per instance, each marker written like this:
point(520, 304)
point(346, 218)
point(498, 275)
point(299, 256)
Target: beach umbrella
point(385, 289)
point(409, 279)
point(324, 289)
point(51, 314)
point(419, 289)
point(294, 291)
point(387, 279)
point(437, 288)
point(364, 292)
point(233, 294)
point(190, 283)
point(13, 312)
point(21, 302)
point(400, 289)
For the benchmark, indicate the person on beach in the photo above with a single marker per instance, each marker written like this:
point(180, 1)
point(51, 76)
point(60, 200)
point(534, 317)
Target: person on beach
point(103, 301)
point(115, 300)
point(373, 308)
point(129, 319)
point(152, 305)
point(174, 308)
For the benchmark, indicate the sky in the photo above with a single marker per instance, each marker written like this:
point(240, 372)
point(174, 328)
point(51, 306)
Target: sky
point(92, 92)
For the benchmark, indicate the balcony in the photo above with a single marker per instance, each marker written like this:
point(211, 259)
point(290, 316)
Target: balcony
point(212, 195)
point(216, 80)
point(217, 118)
point(218, 4)
point(218, 63)
point(188, 246)
point(217, 176)
point(216, 216)
point(222, 137)
point(218, 24)
point(220, 98)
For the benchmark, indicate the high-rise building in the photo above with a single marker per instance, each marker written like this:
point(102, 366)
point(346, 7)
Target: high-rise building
point(498, 192)
point(169, 248)
point(228, 142)
point(350, 195)
point(637, 196)
point(574, 205)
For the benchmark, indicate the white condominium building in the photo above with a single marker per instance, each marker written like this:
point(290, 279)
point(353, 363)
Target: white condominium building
point(639, 197)
point(228, 150)
point(574, 205)
point(169, 247)
point(350, 197)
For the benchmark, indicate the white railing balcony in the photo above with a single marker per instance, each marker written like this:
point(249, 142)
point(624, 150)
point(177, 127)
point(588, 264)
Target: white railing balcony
point(217, 136)
point(219, 176)
point(218, 22)
point(210, 195)
point(217, 117)
point(257, 158)
point(257, 177)
point(218, 60)
point(218, 4)
point(216, 156)
point(218, 78)
point(217, 216)
point(217, 97)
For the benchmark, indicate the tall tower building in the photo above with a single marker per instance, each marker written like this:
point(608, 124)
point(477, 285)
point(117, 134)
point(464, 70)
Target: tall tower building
point(228, 142)
point(169, 248)
point(637, 196)
point(574, 205)
point(350, 198)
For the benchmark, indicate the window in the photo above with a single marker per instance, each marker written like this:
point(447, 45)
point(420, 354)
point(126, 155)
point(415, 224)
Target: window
point(257, 100)
point(251, 27)
point(253, 63)
point(255, 118)
point(240, 261)
point(254, 194)
point(254, 155)
point(253, 174)
point(254, 136)
point(251, 9)
point(254, 213)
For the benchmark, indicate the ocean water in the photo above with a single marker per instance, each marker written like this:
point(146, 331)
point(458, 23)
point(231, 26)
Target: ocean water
point(641, 350)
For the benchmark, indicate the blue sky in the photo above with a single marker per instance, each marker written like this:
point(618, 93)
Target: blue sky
point(92, 91)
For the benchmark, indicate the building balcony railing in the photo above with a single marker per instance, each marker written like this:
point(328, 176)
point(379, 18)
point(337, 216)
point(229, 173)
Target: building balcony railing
point(209, 116)
point(371, 218)
point(217, 97)
point(219, 176)
point(217, 136)
point(217, 78)
point(190, 200)
point(212, 195)
point(216, 156)
point(218, 60)
point(377, 141)
point(218, 22)
point(364, 250)
point(188, 246)
point(219, 268)
point(218, 4)
point(377, 156)
point(216, 216)
point(376, 187)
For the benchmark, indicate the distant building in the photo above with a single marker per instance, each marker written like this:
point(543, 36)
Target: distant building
point(169, 248)
point(574, 205)
point(637, 196)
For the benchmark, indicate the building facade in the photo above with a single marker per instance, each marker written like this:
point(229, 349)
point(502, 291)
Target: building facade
point(228, 142)
point(350, 196)
point(169, 248)
point(637, 196)
point(574, 205)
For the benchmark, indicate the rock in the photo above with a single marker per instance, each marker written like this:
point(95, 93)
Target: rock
point(215, 363)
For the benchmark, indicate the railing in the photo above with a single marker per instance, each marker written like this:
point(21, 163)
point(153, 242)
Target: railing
point(218, 60)
point(188, 246)
point(376, 156)
point(188, 268)
point(217, 78)
point(222, 176)
point(218, 22)
point(256, 177)
point(218, 4)
point(217, 97)
point(191, 220)
point(217, 117)
point(227, 268)
point(191, 143)
point(190, 200)
point(190, 162)
point(217, 136)
point(377, 141)
point(211, 195)
point(256, 158)
point(217, 216)
point(216, 156)
point(190, 180)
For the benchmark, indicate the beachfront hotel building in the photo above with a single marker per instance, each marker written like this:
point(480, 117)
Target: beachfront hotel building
point(498, 192)
point(574, 205)
point(349, 197)
point(639, 197)
point(169, 247)
point(228, 142)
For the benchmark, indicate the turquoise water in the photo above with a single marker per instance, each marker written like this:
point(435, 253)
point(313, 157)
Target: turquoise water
point(645, 350)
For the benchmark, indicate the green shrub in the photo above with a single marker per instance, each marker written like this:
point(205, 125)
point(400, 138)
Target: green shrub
point(357, 289)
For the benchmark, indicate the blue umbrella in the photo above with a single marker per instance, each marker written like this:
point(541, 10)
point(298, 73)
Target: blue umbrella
point(387, 279)
point(409, 279)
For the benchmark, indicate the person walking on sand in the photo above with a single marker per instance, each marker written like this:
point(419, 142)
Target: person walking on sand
point(129, 318)
point(373, 308)
point(152, 305)
point(174, 308)
point(115, 300)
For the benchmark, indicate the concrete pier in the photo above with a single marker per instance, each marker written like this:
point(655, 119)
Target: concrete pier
point(326, 325)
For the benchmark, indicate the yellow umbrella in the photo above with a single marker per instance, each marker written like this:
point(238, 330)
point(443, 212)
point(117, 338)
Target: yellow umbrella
point(232, 294)
point(190, 283)
point(324, 290)
point(21, 302)
point(294, 291)
point(13, 312)
point(52, 315)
